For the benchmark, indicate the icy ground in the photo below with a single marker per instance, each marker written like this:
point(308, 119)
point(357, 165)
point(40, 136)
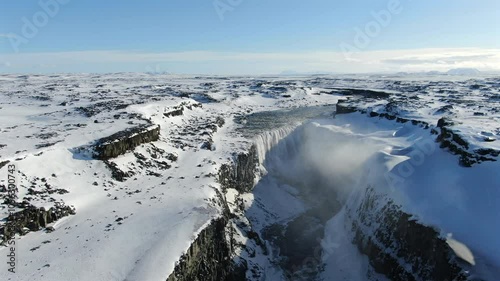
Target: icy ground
point(137, 229)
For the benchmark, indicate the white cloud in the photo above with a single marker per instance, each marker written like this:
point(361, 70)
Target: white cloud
point(271, 62)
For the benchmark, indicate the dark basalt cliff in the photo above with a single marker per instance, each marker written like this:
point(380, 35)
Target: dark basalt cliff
point(32, 218)
point(343, 107)
point(452, 141)
point(361, 92)
point(210, 256)
point(123, 141)
point(240, 174)
point(398, 246)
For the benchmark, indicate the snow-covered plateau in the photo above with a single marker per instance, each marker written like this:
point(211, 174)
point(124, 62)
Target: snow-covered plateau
point(143, 177)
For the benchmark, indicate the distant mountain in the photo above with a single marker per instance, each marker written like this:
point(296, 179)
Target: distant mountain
point(454, 71)
point(463, 71)
point(296, 73)
point(434, 72)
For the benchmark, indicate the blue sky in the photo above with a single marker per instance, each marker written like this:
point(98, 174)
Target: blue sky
point(247, 36)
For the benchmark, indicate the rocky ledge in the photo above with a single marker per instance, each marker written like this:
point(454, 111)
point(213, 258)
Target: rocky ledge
point(448, 138)
point(210, 256)
point(456, 144)
point(398, 246)
point(179, 109)
point(241, 172)
point(31, 218)
point(123, 141)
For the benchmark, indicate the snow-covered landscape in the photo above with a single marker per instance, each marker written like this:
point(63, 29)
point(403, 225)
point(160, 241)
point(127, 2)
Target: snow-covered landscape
point(135, 176)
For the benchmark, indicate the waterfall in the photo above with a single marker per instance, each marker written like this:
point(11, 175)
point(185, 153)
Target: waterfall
point(268, 140)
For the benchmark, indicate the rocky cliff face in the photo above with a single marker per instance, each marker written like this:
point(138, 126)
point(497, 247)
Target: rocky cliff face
point(31, 218)
point(343, 107)
point(240, 174)
point(123, 141)
point(210, 256)
point(398, 246)
point(452, 141)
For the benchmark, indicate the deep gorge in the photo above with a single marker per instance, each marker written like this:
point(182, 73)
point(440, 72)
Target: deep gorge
point(300, 179)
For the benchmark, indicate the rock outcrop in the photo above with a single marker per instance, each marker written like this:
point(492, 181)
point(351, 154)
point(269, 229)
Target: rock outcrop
point(452, 141)
point(343, 107)
point(362, 92)
point(3, 163)
point(33, 219)
point(179, 109)
point(240, 174)
point(210, 256)
point(123, 141)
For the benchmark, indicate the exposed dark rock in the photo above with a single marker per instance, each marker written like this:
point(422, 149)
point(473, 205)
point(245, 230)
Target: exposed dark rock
point(447, 138)
point(279, 89)
point(43, 145)
point(220, 121)
point(116, 173)
point(123, 141)
point(208, 145)
point(445, 109)
point(399, 119)
point(209, 258)
point(33, 218)
point(175, 112)
point(488, 151)
point(344, 108)
point(443, 122)
point(99, 107)
point(363, 92)
point(3, 163)
point(241, 173)
point(457, 145)
point(400, 247)
point(45, 136)
point(179, 109)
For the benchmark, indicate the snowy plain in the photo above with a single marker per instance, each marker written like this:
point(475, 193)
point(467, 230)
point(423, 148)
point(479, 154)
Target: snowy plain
point(138, 229)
